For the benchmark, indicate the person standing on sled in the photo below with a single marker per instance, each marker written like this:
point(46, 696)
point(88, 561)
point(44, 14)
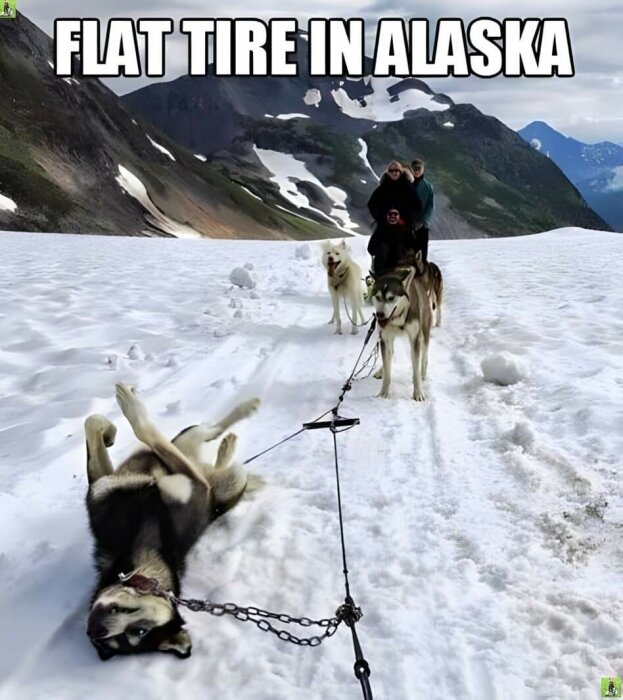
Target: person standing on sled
point(395, 191)
point(392, 244)
point(423, 190)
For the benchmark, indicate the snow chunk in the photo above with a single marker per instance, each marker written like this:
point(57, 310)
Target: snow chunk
point(242, 277)
point(448, 125)
point(523, 435)
point(313, 97)
point(503, 368)
point(135, 352)
point(198, 156)
point(7, 204)
point(160, 148)
point(302, 252)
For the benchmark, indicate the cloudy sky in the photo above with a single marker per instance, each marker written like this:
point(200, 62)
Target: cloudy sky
point(588, 107)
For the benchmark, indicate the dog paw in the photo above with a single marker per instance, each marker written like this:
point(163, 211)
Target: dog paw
point(383, 394)
point(226, 451)
point(419, 396)
point(338, 331)
point(248, 408)
point(131, 406)
point(97, 425)
point(354, 331)
point(378, 374)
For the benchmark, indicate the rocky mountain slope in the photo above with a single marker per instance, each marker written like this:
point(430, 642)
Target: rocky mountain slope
point(73, 159)
point(292, 140)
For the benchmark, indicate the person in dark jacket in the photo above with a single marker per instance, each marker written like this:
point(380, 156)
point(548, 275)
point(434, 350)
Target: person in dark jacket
point(395, 190)
point(392, 244)
point(426, 198)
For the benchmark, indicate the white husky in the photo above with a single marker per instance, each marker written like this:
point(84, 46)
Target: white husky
point(344, 282)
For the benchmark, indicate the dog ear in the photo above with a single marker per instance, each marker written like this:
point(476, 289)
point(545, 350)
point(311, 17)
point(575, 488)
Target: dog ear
point(343, 244)
point(179, 644)
point(408, 277)
point(419, 262)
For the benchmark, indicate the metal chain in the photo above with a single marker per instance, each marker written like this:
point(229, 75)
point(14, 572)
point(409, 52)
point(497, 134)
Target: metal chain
point(150, 586)
point(260, 618)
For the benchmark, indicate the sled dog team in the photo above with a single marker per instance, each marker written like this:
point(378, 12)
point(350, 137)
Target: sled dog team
point(407, 301)
point(147, 514)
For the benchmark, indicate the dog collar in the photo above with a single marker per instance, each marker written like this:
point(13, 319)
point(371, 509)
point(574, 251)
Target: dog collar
point(143, 584)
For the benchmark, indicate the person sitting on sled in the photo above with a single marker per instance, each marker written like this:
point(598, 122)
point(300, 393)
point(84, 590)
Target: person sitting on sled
point(393, 243)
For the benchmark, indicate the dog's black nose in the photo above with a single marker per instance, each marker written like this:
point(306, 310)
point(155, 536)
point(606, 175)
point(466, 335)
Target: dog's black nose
point(97, 630)
point(96, 627)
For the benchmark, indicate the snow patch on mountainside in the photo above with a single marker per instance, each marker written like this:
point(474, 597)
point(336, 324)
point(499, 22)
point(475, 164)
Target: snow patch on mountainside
point(160, 148)
point(198, 156)
point(248, 191)
point(131, 184)
point(363, 154)
point(287, 171)
point(312, 97)
point(380, 106)
point(7, 204)
point(287, 117)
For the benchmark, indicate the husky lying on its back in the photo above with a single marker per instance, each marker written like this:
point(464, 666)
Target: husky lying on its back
point(344, 281)
point(145, 516)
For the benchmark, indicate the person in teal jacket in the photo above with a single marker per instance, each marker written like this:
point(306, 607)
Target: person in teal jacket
point(424, 191)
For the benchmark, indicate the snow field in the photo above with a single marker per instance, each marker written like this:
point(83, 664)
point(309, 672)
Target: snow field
point(482, 527)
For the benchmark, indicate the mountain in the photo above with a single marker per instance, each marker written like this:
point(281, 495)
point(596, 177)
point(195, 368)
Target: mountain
point(595, 169)
point(73, 159)
point(297, 142)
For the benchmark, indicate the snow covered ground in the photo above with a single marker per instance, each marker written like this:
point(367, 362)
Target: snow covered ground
point(483, 527)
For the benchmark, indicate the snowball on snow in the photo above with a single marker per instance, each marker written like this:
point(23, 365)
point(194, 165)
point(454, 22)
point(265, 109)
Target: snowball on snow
point(241, 278)
point(135, 352)
point(302, 252)
point(523, 435)
point(503, 368)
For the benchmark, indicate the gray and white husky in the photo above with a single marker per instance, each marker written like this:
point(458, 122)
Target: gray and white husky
point(402, 307)
point(344, 282)
point(145, 516)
